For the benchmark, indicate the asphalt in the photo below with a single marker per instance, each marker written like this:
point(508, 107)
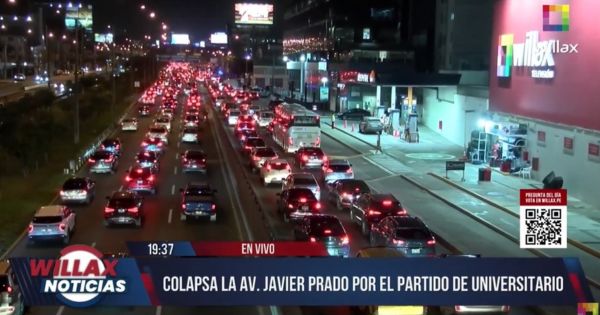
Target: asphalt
point(247, 212)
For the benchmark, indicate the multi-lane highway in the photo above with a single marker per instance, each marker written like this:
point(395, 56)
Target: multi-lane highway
point(247, 210)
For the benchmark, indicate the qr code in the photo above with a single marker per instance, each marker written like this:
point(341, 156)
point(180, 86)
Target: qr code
point(543, 227)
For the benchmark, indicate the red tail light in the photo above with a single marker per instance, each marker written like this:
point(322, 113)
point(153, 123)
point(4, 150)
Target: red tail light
point(318, 206)
point(291, 206)
point(324, 157)
point(398, 242)
point(203, 160)
point(213, 207)
point(289, 168)
point(344, 195)
point(313, 239)
point(290, 141)
point(373, 212)
point(139, 171)
point(327, 231)
point(90, 160)
point(345, 240)
point(329, 170)
point(505, 308)
point(62, 226)
point(305, 158)
point(401, 212)
point(108, 210)
point(183, 206)
point(318, 142)
point(128, 178)
point(387, 203)
point(303, 200)
point(256, 158)
point(30, 228)
point(349, 171)
point(160, 144)
point(133, 210)
point(151, 178)
point(268, 167)
point(144, 143)
point(109, 160)
point(431, 242)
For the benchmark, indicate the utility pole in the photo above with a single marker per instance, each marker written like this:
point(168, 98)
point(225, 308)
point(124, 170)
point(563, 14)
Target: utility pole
point(76, 86)
point(47, 42)
point(114, 78)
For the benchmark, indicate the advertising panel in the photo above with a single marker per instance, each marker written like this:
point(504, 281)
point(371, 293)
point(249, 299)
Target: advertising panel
point(103, 38)
point(253, 13)
point(79, 15)
point(218, 38)
point(543, 61)
point(180, 39)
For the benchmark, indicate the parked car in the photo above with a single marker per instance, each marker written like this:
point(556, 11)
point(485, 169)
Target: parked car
point(354, 114)
point(297, 202)
point(406, 234)
point(370, 125)
point(337, 169)
point(369, 209)
point(78, 190)
point(275, 171)
point(51, 223)
point(302, 180)
point(198, 200)
point(326, 229)
point(344, 191)
point(124, 207)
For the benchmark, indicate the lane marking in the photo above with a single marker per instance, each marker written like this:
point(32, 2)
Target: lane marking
point(120, 187)
point(173, 189)
point(93, 244)
point(175, 171)
point(60, 310)
point(158, 310)
point(176, 156)
point(378, 166)
point(170, 216)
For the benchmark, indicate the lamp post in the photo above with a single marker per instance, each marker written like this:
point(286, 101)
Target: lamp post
point(246, 75)
point(302, 79)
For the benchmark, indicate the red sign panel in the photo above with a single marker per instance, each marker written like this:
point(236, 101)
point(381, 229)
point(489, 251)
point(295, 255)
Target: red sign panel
point(594, 149)
point(543, 197)
point(541, 136)
point(568, 143)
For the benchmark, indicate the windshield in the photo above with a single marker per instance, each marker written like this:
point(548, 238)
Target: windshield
point(301, 193)
point(198, 191)
point(192, 117)
point(326, 226)
point(339, 168)
point(255, 142)
point(304, 181)
point(158, 130)
point(47, 219)
point(278, 166)
point(305, 121)
point(265, 152)
point(102, 155)
point(190, 130)
point(413, 234)
point(195, 155)
point(357, 186)
point(121, 203)
point(76, 183)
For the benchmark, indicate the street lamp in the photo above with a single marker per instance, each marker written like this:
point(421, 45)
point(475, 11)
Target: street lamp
point(142, 7)
point(285, 58)
point(152, 15)
point(324, 80)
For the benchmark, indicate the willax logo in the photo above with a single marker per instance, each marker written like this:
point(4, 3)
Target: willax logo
point(562, 10)
point(587, 309)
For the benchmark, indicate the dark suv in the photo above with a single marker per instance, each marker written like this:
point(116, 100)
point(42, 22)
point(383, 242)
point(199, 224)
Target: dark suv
point(310, 157)
point(12, 302)
point(193, 161)
point(112, 145)
point(326, 229)
point(124, 207)
point(142, 179)
point(198, 200)
point(295, 203)
point(344, 191)
point(407, 234)
point(369, 209)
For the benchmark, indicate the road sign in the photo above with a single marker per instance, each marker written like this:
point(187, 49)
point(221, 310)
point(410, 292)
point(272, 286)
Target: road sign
point(455, 166)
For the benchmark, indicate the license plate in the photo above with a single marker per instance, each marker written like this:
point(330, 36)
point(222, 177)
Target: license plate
point(200, 212)
point(121, 210)
point(415, 251)
point(194, 166)
point(313, 158)
point(304, 208)
point(140, 182)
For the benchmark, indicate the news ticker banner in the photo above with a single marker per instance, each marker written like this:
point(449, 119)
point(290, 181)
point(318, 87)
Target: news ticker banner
point(82, 277)
point(543, 218)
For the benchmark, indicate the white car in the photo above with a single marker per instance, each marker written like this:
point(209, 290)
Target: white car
point(275, 171)
point(263, 118)
point(258, 157)
point(302, 180)
point(129, 124)
point(232, 117)
point(167, 112)
point(190, 135)
point(337, 169)
point(163, 121)
point(160, 132)
point(52, 223)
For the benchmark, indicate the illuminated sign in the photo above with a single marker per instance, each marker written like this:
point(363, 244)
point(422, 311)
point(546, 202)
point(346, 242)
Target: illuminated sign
point(103, 38)
point(253, 13)
point(561, 9)
point(180, 39)
point(218, 38)
point(534, 53)
point(79, 16)
point(355, 76)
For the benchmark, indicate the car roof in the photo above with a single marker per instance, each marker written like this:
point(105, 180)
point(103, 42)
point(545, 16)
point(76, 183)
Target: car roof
point(374, 252)
point(339, 162)
point(198, 185)
point(122, 194)
point(382, 197)
point(408, 222)
point(46, 211)
point(303, 175)
point(279, 161)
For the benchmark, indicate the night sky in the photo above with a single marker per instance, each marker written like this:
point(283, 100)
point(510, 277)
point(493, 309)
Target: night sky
point(199, 18)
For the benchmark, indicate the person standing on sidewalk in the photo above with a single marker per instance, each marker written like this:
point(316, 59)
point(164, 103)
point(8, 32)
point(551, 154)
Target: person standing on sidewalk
point(378, 148)
point(333, 121)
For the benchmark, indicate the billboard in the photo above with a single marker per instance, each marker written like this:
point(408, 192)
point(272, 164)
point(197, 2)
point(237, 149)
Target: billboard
point(79, 15)
point(253, 13)
point(180, 39)
point(103, 38)
point(218, 38)
point(544, 61)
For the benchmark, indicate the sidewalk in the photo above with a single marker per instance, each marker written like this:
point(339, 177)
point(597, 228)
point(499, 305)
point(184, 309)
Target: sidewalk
point(429, 156)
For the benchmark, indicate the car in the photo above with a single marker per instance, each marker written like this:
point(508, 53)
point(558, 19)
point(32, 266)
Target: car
point(129, 124)
point(160, 132)
point(144, 110)
point(336, 170)
point(155, 145)
point(306, 157)
point(251, 143)
point(103, 161)
point(190, 135)
point(147, 159)
point(258, 157)
point(370, 124)
point(167, 112)
point(354, 114)
point(246, 118)
point(344, 191)
point(19, 77)
point(369, 209)
point(163, 121)
point(242, 126)
point(326, 229)
point(248, 133)
point(264, 118)
point(78, 190)
point(468, 309)
point(219, 101)
point(406, 234)
point(274, 103)
point(41, 78)
point(192, 111)
point(141, 179)
point(253, 109)
point(302, 180)
point(124, 207)
point(232, 117)
point(191, 120)
point(297, 202)
point(51, 223)
point(274, 171)
point(193, 161)
point(112, 145)
point(198, 200)
point(12, 300)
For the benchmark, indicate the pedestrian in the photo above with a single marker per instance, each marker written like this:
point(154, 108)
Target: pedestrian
point(333, 121)
point(378, 148)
